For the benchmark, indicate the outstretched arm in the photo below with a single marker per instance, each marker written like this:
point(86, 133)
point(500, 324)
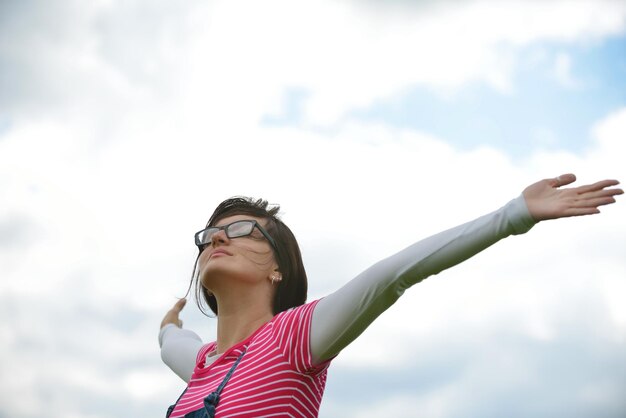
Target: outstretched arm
point(342, 316)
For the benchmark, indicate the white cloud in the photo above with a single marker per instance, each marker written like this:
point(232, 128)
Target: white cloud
point(219, 62)
point(108, 169)
point(140, 255)
point(609, 134)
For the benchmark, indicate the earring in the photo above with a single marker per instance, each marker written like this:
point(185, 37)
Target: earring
point(275, 277)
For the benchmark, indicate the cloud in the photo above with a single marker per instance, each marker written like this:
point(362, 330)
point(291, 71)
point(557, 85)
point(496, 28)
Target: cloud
point(15, 232)
point(130, 122)
point(90, 63)
point(115, 56)
point(609, 132)
point(96, 274)
point(444, 48)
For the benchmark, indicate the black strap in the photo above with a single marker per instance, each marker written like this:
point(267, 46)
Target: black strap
point(211, 401)
point(170, 408)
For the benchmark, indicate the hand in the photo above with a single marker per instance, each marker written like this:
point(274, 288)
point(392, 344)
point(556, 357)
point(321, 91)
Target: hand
point(546, 201)
point(171, 317)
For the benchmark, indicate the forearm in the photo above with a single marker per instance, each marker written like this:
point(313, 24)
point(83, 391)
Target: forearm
point(179, 348)
point(342, 316)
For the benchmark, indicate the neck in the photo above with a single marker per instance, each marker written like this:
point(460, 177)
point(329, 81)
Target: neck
point(238, 319)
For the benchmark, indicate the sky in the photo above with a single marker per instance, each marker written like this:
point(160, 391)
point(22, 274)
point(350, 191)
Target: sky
point(373, 124)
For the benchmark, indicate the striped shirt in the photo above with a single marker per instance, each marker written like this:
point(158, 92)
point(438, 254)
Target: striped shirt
point(275, 378)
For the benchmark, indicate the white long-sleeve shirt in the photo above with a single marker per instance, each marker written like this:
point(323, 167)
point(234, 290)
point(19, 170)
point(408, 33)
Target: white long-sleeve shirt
point(343, 315)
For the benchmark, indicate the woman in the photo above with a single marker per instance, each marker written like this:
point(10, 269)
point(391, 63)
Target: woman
point(272, 350)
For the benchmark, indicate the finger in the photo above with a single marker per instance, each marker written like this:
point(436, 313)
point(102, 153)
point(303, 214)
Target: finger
point(593, 203)
point(179, 305)
point(600, 193)
point(563, 180)
point(597, 186)
point(580, 212)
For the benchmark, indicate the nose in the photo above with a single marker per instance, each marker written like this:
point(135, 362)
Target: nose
point(219, 237)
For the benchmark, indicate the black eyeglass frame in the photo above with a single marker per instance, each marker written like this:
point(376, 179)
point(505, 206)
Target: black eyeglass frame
point(267, 236)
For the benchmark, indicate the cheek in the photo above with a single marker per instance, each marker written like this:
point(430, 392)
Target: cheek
point(202, 260)
point(261, 257)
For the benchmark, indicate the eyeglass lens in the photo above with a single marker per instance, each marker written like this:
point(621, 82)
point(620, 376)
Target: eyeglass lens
point(233, 230)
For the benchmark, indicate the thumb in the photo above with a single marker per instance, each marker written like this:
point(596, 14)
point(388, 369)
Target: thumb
point(179, 305)
point(563, 180)
point(171, 317)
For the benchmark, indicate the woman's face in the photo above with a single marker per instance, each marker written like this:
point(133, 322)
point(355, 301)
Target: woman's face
point(242, 260)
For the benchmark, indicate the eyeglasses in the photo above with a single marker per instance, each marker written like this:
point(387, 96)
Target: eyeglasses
point(233, 230)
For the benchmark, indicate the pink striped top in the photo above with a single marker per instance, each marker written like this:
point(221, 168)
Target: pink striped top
point(275, 378)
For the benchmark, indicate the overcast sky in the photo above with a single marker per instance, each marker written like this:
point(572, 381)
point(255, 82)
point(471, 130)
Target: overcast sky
point(373, 124)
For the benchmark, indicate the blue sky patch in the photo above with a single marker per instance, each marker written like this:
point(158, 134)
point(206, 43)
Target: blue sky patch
point(541, 111)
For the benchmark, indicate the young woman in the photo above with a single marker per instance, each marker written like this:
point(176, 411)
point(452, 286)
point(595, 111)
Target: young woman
point(272, 349)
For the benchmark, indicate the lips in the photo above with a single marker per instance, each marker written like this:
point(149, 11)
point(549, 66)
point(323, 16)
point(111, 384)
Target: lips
point(219, 252)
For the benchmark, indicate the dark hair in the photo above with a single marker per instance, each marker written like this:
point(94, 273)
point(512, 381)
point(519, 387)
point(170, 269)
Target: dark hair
point(292, 289)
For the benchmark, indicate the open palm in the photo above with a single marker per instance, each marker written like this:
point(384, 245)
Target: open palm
point(546, 200)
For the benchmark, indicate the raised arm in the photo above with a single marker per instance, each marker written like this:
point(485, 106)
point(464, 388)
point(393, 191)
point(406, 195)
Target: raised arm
point(179, 347)
point(342, 316)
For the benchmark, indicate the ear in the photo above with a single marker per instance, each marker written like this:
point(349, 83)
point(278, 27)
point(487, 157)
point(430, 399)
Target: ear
point(276, 277)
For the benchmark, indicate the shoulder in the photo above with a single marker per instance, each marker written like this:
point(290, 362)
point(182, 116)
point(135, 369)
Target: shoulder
point(296, 312)
point(294, 320)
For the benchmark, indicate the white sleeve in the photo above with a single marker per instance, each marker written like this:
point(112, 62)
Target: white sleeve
point(179, 349)
point(343, 315)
